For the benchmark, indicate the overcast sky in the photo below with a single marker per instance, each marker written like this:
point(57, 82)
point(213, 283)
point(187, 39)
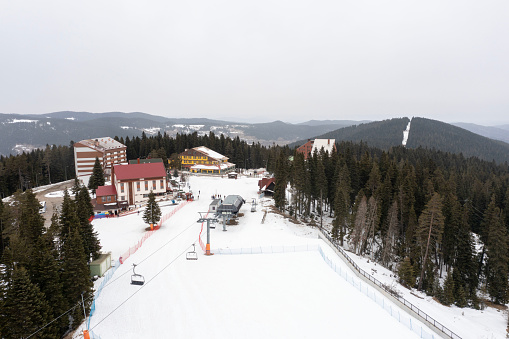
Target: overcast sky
point(263, 60)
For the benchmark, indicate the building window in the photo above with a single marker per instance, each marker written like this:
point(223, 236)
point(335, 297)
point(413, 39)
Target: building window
point(109, 198)
point(161, 184)
point(138, 186)
point(146, 185)
point(153, 185)
point(122, 188)
point(103, 199)
point(122, 197)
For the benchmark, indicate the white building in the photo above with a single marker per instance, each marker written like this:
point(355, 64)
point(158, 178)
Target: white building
point(108, 150)
point(134, 182)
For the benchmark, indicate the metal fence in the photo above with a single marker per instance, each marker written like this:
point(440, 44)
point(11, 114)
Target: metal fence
point(402, 300)
point(402, 316)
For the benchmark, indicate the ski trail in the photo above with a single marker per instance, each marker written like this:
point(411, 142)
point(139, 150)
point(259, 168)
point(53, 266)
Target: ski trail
point(405, 133)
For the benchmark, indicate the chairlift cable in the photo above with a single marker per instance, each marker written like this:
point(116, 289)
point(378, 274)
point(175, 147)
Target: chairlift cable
point(111, 282)
point(148, 282)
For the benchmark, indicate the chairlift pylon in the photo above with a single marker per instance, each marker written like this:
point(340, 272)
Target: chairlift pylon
point(137, 279)
point(192, 255)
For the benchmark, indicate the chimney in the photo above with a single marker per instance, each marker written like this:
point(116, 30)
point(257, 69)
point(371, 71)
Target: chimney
point(138, 160)
point(328, 141)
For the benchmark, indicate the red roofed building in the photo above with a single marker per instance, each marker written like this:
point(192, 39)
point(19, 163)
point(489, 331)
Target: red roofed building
point(266, 185)
point(106, 194)
point(134, 182)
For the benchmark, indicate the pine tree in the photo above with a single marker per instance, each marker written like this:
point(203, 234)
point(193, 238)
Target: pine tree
point(24, 309)
point(406, 273)
point(75, 276)
point(497, 252)
point(431, 225)
point(280, 176)
point(97, 177)
point(68, 217)
point(152, 211)
point(465, 272)
point(389, 244)
point(448, 290)
point(85, 210)
point(45, 274)
point(461, 299)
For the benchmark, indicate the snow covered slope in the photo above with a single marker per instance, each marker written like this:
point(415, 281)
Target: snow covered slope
point(279, 295)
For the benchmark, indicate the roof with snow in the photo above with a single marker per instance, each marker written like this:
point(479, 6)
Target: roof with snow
point(101, 144)
point(327, 144)
point(210, 153)
point(138, 171)
point(105, 190)
point(223, 166)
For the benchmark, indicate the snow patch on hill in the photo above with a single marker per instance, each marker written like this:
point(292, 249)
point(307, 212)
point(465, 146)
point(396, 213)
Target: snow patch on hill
point(405, 133)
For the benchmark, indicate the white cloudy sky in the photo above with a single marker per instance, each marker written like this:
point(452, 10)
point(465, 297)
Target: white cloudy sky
point(263, 60)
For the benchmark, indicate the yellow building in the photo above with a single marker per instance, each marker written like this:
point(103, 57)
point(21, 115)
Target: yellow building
point(204, 160)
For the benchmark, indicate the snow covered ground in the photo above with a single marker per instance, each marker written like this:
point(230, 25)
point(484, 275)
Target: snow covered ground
point(274, 295)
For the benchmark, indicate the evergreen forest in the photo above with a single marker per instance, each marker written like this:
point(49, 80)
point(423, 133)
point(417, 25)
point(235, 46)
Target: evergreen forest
point(438, 220)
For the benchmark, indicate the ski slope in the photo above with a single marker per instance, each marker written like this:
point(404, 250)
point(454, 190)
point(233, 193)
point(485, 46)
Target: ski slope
point(275, 295)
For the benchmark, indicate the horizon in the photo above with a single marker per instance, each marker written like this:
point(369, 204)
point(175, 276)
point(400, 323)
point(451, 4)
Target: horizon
point(294, 122)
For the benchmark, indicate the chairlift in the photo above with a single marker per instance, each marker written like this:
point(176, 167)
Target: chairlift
point(192, 255)
point(137, 279)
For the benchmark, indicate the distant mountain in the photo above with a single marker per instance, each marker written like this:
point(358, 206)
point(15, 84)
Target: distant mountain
point(492, 132)
point(341, 123)
point(382, 134)
point(448, 138)
point(504, 127)
point(20, 133)
point(423, 133)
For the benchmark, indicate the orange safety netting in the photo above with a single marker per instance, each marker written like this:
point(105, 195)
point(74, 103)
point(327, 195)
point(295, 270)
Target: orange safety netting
point(148, 234)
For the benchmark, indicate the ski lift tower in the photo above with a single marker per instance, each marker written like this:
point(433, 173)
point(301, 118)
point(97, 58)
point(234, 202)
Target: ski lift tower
point(203, 218)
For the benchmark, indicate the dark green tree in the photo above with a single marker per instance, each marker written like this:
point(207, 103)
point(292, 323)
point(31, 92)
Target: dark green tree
point(68, 217)
point(97, 177)
point(24, 309)
point(496, 264)
point(76, 276)
point(281, 179)
point(406, 273)
point(431, 225)
point(448, 290)
point(152, 212)
point(45, 274)
point(85, 210)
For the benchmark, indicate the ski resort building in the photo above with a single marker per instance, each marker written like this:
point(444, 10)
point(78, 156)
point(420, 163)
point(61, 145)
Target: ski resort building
point(107, 150)
point(204, 160)
point(309, 147)
point(134, 182)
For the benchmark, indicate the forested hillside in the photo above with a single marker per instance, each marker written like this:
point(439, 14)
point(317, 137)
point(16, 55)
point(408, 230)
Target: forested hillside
point(445, 137)
point(424, 133)
point(411, 210)
point(381, 134)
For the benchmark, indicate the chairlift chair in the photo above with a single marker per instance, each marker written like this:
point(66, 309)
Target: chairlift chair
point(137, 279)
point(192, 255)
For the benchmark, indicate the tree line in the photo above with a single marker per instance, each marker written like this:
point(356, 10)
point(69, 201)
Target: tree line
point(420, 213)
point(44, 271)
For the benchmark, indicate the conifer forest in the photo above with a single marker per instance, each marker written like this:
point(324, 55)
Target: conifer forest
point(437, 220)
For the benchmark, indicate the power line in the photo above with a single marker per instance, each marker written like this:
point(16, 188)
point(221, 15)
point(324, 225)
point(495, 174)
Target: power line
point(126, 272)
point(148, 282)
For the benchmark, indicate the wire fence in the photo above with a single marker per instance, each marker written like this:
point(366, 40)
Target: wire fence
point(124, 257)
point(148, 234)
point(397, 313)
point(430, 320)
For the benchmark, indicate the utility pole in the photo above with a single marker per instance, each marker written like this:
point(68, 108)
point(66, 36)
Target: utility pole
point(208, 220)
